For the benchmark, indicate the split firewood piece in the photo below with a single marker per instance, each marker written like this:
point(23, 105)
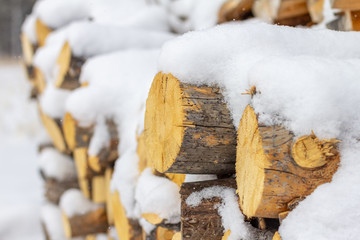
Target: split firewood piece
point(188, 129)
point(69, 69)
point(235, 10)
point(160, 233)
point(55, 131)
point(109, 209)
point(290, 12)
point(39, 80)
point(345, 4)
point(75, 135)
point(91, 184)
point(80, 216)
point(268, 176)
point(283, 215)
point(109, 152)
point(127, 229)
point(195, 224)
point(28, 50)
point(42, 31)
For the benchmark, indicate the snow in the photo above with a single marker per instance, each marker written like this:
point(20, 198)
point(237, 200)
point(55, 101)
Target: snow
point(58, 13)
point(57, 165)
point(52, 101)
point(28, 28)
point(158, 195)
point(52, 219)
point(199, 177)
point(88, 39)
point(306, 85)
point(20, 183)
point(73, 203)
point(231, 216)
point(100, 138)
point(213, 56)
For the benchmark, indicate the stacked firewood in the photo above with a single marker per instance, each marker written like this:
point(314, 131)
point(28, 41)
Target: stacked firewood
point(187, 146)
point(348, 16)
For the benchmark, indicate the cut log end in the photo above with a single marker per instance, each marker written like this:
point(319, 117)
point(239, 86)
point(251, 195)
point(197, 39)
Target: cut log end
point(249, 164)
point(163, 96)
point(276, 236)
point(42, 31)
point(268, 178)
point(152, 218)
point(188, 128)
point(310, 152)
point(177, 236)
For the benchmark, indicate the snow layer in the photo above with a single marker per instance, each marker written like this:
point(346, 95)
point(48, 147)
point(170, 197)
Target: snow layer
point(58, 13)
point(308, 80)
point(52, 101)
point(73, 202)
point(28, 27)
point(158, 195)
point(51, 218)
point(57, 165)
point(224, 55)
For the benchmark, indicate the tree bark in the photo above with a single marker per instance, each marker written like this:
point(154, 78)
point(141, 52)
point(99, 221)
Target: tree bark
point(89, 223)
point(188, 129)
point(272, 170)
point(235, 10)
point(203, 221)
point(54, 188)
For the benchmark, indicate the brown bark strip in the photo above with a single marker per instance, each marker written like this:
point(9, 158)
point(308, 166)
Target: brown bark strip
point(54, 188)
point(83, 225)
point(188, 129)
point(233, 10)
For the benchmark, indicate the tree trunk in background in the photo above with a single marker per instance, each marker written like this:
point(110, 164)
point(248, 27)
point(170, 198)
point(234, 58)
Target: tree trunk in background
point(12, 15)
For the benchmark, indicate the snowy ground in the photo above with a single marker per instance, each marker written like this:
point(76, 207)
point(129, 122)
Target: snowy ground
point(20, 183)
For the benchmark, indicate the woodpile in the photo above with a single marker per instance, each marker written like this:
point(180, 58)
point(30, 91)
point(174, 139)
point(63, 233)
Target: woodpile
point(348, 19)
point(188, 133)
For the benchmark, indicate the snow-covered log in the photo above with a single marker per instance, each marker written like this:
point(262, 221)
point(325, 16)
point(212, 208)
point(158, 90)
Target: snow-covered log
point(80, 216)
point(273, 168)
point(188, 128)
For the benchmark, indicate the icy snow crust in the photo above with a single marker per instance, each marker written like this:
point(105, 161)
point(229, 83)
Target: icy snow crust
point(308, 81)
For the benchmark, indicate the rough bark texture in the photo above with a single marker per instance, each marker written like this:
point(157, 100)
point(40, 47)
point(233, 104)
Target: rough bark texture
point(235, 10)
point(188, 129)
point(89, 223)
point(203, 221)
point(72, 78)
point(268, 178)
point(303, 20)
point(54, 188)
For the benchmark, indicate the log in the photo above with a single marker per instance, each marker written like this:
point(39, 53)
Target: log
point(28, 50)
point(69, 69)
point(303, 20)
point(272, 169)
point(54, 188)
point(92, 184)
point(203, 221)
point(188, 128)
point(54, 129)
point(75, 135)
point(276, 236)
point(86, 224)
point(346, 4)
point(160, 233)
point(177, 236)
point(316, 9)
point(109, 209)
point(127, 229)
point(40, 82)
point(108, 154)
point(42, 31)
point(292, 8)
point(235, 10)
